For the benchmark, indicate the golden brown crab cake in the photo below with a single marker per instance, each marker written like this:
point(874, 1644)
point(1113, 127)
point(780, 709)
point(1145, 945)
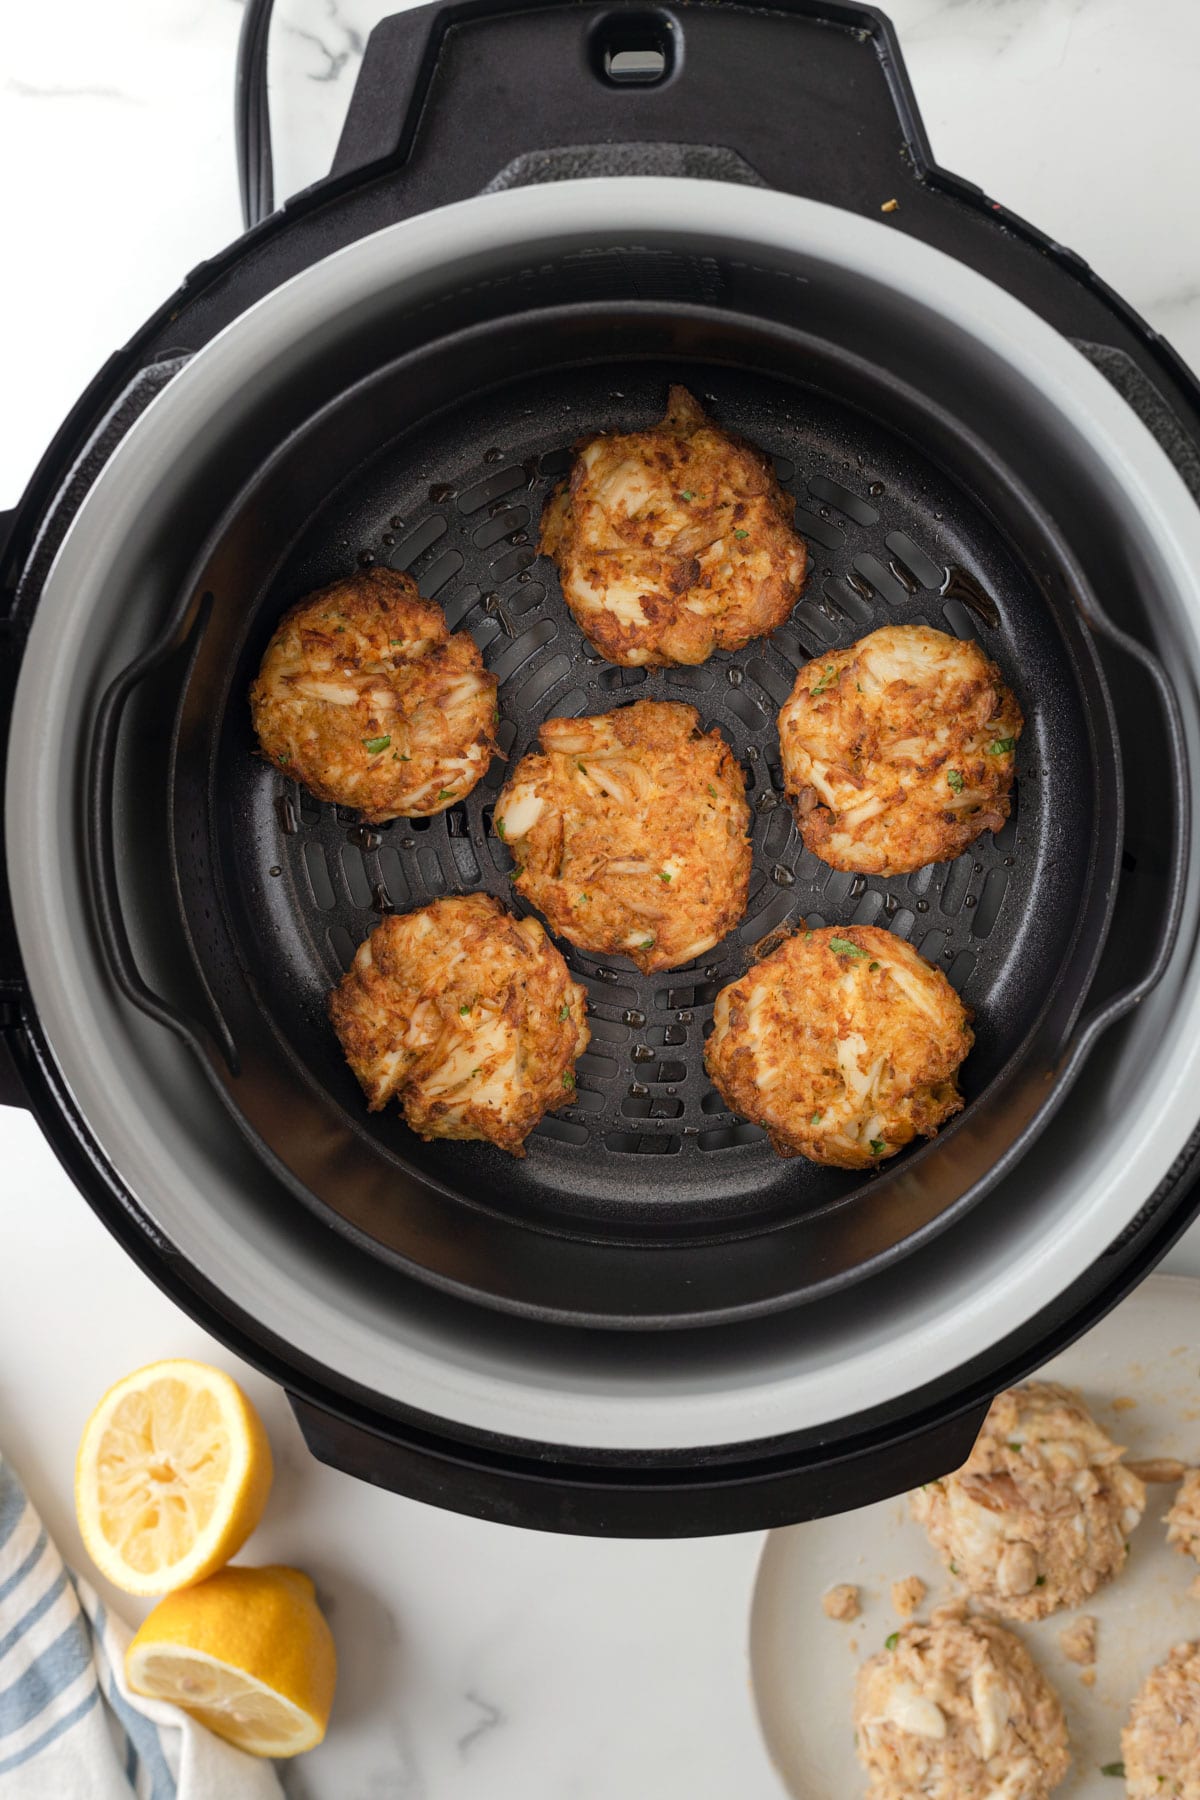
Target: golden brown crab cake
point(844, 1044)
point(366, 698)
point(467, 1016)
point(1160, 1746)
point(1183, 1518)
point(958, 1710)
point(630, 832)
point(673, 542)
point(1039, 1515)
point(899, 750)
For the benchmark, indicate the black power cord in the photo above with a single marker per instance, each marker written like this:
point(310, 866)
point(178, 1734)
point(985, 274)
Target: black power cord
point(252, 115)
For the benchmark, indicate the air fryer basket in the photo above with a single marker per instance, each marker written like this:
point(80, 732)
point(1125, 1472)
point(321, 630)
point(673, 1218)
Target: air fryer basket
point(467, 1407)
point(645, 1202)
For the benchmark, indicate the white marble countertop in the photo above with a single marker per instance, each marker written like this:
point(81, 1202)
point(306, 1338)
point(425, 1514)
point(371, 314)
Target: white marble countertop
point(476, 1661)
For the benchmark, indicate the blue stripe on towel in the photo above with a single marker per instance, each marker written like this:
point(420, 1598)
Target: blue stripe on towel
point(18, 1575)
point(35, 1612)
point(60, 1663)
point(12, 1503)
point(142, 1733)
point(54, 1731)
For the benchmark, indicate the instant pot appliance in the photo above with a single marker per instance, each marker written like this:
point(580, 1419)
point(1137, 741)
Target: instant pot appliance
point(539, 216)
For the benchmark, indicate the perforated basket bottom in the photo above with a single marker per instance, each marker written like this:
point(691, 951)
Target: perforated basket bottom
point(647, 1144)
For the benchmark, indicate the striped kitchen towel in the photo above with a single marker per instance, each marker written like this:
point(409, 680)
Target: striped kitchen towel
point(69, 1727)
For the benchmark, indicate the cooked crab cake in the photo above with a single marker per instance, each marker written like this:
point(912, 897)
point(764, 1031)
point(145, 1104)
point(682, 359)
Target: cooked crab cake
point(1161, 1743)
point(467, 1016)
point(366, 698)
point(630, 832)
point(1183, 1517)
point(843, 1045)
point(673, 542)
point(1040, 1514)
point(899, 750)
point(958, 1710)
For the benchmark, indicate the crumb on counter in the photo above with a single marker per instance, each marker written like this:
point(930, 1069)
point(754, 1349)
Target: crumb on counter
point(890, 206)
point(1088, 1677)
point(907, 1595)
point(1078, 1639)
point(842, 1602)
point(1194, 1590)
point(1124, 1403)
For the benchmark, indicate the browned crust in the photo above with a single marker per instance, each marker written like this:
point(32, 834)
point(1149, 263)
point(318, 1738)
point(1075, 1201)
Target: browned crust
point(734, 504)
point(807, 1013)
point(690, 827)
point(939, 792)
point(361, 629)
point(408, 1002)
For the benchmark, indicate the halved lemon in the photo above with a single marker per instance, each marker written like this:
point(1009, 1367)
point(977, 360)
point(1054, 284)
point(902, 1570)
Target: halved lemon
point(248, 1653)
point(172, 1476)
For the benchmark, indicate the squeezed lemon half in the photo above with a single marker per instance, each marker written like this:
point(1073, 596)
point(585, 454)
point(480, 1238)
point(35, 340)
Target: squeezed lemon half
point(172, 1476)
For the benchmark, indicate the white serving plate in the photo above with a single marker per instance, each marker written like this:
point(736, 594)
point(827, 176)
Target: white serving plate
point(803, 1665)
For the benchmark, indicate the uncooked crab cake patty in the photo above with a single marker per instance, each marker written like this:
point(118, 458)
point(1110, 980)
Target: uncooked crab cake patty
point(1161, 1743)
point(366, 698)
point(466, 1016)
point(844, 1044)
point(673, 542)
point(630, 833)
point(958, 1710)
point(899, 750)
point(1040, 1514)
point(1183, 1517)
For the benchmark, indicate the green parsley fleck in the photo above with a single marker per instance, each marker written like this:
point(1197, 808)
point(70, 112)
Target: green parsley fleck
point(816, 1118)
point(892, 1639)
point(395, 640)
point(1117, 1768)
point(374, 746)
point(712, 790)
point(872, 967)
point(741, 534)
point(825, 681)
point(1040, 1582)
point(646, 944)
point(283, 757)
point(564, 1011)
point(445, 793)
point(858, 685)
point(568, 1079)
point(1015, 1447)
point(1002, 746)
point(581, 768)
point(954, 1568)
point(807, 935)
point(500, 829)
point(340, 628)
point(843, 947)
point(585, 896)
point(476, 1071)
point(687, 494)
point(464, 1009)
point(877, 1146)
point(954, 777)
point(403, 758)
point(664, 875)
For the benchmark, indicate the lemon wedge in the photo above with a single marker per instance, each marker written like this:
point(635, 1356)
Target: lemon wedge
point(172, 1476)
point(248, 1653)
